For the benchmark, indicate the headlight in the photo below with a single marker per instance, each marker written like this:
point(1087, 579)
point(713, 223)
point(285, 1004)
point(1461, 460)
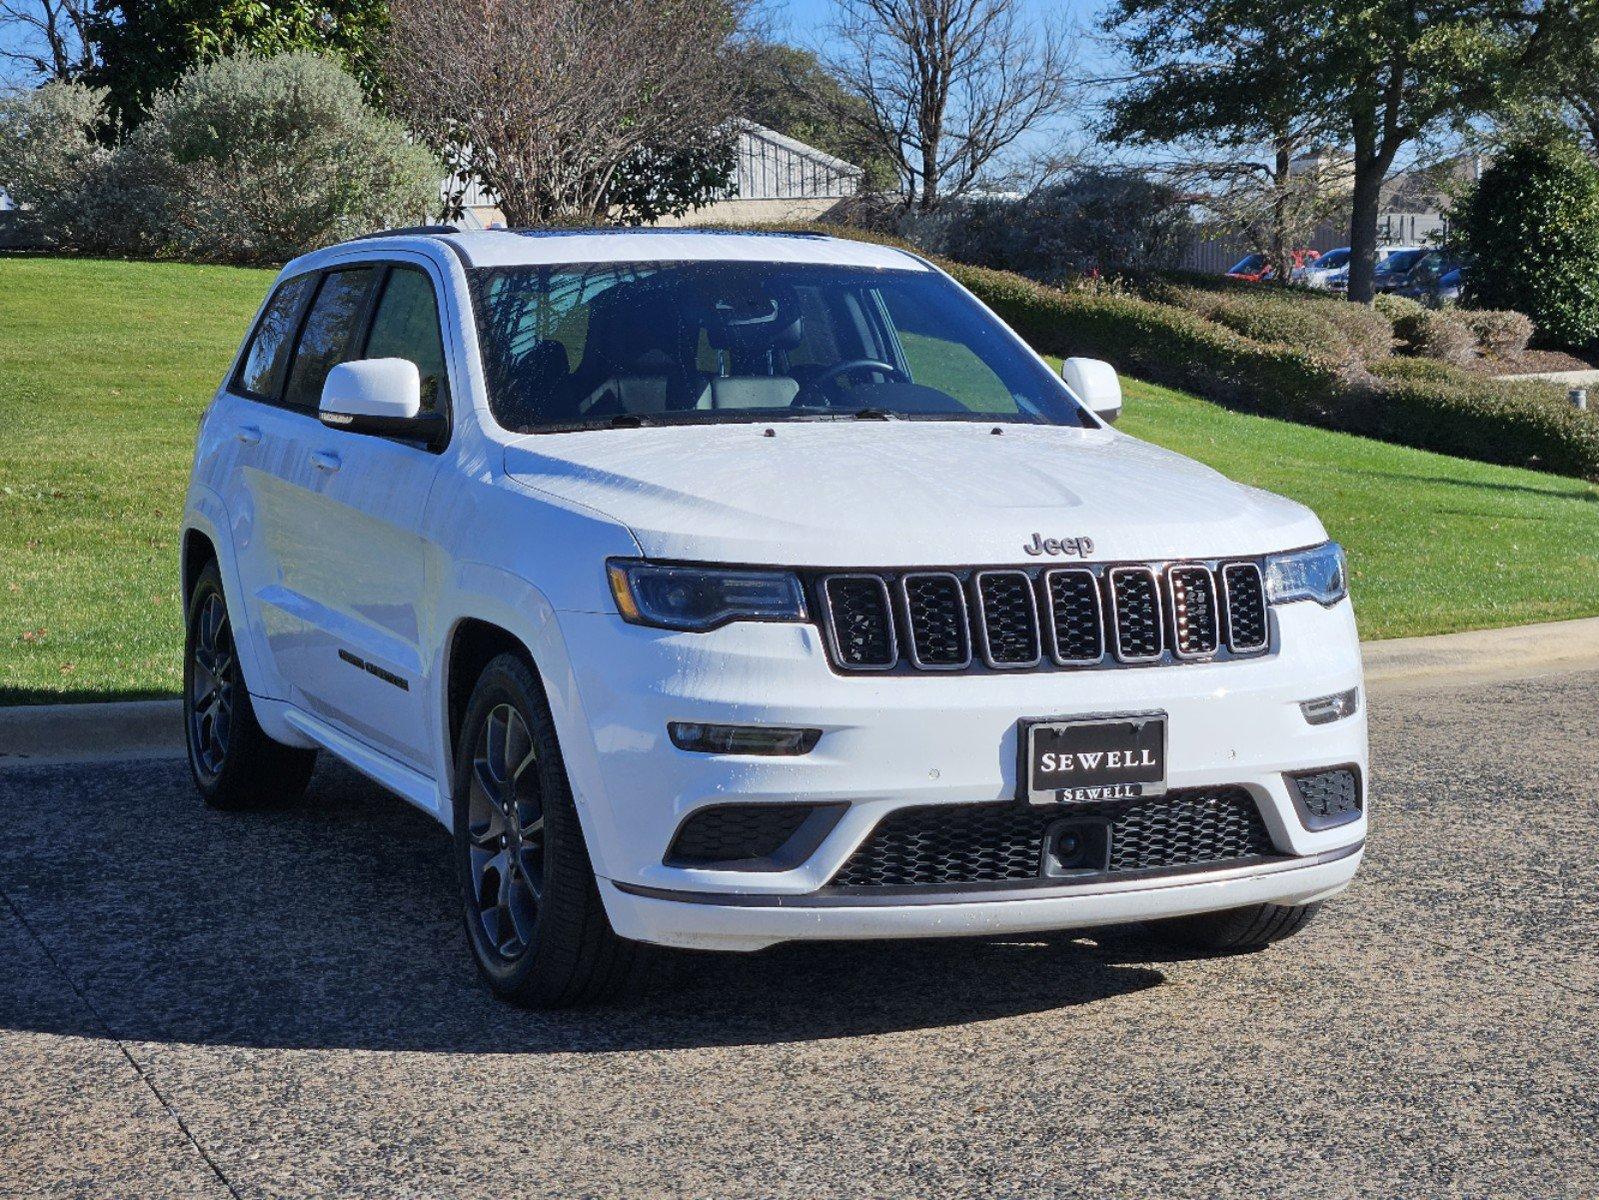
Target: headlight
point(697, 599)
point(1315, 574)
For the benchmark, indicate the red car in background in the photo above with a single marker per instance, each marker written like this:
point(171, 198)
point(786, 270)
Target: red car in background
point(1253, 268)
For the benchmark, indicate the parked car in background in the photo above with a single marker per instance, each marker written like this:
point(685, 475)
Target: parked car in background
point(1338, 280)
point(1393, 273)
point(1424, 279)
point(1316, 272)
point(1448, 290)
point(722, 589)
point(1254, 268)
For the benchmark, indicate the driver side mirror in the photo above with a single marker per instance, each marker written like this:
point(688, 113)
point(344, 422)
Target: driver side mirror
point(1095, 384)
point(381, 396)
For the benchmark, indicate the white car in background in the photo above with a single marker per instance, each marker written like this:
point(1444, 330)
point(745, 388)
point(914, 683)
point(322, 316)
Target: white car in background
point(1338, 280)
point(1316, 274)
point(718, 590)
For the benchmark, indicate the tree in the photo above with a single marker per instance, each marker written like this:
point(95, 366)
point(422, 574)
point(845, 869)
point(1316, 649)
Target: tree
point(573, 110)
point(1531, 229)
point(790, 90)
point(145, 46)
point(944, 88)
point(1236, 139)
point(47, 39)
point(1385, 73)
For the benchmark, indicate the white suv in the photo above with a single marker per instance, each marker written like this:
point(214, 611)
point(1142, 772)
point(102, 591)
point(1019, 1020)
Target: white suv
point(722, 589)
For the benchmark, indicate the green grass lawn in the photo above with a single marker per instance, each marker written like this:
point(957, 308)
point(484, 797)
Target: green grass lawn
point(104, 367)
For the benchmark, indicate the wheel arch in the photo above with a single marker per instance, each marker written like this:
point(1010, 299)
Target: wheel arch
point(198, 550)
point(473, 644)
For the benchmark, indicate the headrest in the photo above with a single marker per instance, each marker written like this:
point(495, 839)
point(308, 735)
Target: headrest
point(752, 318)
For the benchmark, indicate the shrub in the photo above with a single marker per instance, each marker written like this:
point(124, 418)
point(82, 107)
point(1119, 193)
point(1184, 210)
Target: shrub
point(1368, 331)
point(48, 157)
point(1531, 229)
point(258, 160)
point(1097, 220)
point(1425, 403)
point(1438, 333)
point(1393, 307)
point(1499, 333)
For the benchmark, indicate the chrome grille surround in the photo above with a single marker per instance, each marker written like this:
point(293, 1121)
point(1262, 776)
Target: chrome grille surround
point(1136, 622)
point(920, 580)
point(1243, 589)
point(1066, 618)
point(1021, 619)
point(842, 640)
point(1195, 613)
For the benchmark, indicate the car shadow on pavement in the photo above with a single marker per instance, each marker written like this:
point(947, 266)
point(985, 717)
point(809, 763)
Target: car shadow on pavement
point(131, 911)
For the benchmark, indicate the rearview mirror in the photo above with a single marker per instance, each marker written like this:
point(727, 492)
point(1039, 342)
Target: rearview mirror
point(381, 396)
point(1095, 384)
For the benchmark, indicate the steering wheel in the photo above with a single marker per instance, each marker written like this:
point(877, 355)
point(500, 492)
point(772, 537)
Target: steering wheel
point(843, 369)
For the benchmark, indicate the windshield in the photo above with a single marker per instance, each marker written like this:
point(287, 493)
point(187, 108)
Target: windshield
point(624, 344)
point(1247, 265)
point(1333, 258)
point(1400, 260)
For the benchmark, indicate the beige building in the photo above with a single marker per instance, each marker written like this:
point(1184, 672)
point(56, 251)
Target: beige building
point(776, 179)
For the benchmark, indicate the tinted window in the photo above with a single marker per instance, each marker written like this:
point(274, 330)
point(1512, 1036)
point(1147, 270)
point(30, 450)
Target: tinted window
point(406, 325)
point(329, 332)
point(261, 373)
point(655, 343)
point(1333, 258)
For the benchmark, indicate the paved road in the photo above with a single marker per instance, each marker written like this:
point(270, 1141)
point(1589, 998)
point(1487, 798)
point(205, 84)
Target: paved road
point(280, 1005)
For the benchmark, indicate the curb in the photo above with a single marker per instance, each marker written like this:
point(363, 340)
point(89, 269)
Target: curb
point(42, 734)
point(48, 734)
point(1483, 655)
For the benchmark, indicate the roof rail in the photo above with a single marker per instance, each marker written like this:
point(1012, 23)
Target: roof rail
point(406, 231)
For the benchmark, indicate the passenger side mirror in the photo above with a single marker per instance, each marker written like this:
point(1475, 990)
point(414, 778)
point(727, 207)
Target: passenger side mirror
point(381, 396)
point(1095, 384)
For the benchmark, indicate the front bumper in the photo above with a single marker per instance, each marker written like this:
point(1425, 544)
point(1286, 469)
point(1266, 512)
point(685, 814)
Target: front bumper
point(889, 742)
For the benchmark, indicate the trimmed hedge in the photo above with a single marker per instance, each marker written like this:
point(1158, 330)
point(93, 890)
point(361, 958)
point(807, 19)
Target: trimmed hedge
point(1437, 333)
point(1501, 333)
point(1422, 403)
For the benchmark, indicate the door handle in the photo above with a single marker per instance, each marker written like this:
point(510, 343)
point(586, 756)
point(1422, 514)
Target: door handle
point(326, 460)
point(248, 434)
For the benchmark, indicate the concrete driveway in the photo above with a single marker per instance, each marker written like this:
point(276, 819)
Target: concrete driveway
point(281, 1005)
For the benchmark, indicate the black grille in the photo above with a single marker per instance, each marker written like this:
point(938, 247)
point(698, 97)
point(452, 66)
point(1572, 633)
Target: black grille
point(729, 832)
point(940, 632)
point(1328, 798)
point(1135, 596)
point(943, 845)
point(1076, 616)
point(1246, 607)
point(1196, 628)
point(1009, 618)
point(1047, 618)
point(863, 626)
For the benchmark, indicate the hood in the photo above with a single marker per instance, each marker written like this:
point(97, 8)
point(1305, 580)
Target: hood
point(900, 493)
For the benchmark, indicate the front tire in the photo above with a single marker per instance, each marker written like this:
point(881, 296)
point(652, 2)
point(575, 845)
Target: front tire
point(234, 763)
point(534, 918)
point(1235, 930)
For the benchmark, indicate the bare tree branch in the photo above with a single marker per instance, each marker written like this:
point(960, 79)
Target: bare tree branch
point(47, 39)
point(946, 87)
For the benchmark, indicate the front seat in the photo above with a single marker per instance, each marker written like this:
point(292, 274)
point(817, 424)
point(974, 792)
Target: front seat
point(637, 357)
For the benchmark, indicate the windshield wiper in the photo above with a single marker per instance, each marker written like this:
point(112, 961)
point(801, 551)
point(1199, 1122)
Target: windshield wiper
point(875, 414)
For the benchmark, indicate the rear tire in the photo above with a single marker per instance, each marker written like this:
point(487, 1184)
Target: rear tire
point(234, 763)
point(1236, 930)
point(534, 918)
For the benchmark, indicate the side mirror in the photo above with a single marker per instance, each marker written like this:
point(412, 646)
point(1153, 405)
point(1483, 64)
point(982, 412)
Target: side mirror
point(1095, 384)
point(381, 396)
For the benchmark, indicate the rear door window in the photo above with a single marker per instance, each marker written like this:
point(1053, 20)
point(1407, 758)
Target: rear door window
point(260, 375)
point(406, 325)
point(330, 333)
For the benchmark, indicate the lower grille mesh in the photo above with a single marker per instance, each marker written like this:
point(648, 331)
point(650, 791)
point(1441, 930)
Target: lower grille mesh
point(731, 832)
point(1329, 797)
point(940, 845)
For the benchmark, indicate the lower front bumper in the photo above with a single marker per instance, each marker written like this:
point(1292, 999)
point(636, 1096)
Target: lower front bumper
point(722, 921)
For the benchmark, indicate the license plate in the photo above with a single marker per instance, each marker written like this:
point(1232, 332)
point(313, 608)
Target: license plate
point(1094, 760)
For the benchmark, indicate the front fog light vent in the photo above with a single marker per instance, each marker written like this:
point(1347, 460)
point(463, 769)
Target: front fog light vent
point(1327, 798)
point(1324, 710)
point(741, 739)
